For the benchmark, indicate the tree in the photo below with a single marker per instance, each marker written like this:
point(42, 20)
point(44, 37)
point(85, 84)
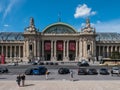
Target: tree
point(115, 55)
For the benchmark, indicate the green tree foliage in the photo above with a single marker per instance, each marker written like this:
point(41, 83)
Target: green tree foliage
point(115, 55)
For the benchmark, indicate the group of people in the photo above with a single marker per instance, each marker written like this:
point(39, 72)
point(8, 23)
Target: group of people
point(19, 79)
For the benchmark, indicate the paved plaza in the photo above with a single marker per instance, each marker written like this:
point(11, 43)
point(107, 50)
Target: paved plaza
point(61, 85)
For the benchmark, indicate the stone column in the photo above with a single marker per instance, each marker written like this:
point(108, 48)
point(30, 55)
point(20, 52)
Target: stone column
point(51, 50)
point(27, 49)
point(43, 50)
point(119, 49)
point(67, 54)
point(19, 52)
point(38, 49)
point(111, 50)
point(94, 49)
point(2, 49)
point(76, 53)
point(64, 57)
point(24, 51)
point(99, 54)
point(55, 58)
point(103, 51)
point(107, 51)
point(10, 51)
point(6, 51)
point(84, 49)
point(15, 51)
point(115, 48)
point(34, 49)
point(80, 50)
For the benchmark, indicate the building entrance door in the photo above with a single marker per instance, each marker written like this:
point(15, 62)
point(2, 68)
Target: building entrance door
point(71, 56)
point(48, 56)
point(59, 56)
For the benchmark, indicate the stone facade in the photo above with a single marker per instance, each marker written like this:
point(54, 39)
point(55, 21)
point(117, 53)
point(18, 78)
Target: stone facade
point(57, 42)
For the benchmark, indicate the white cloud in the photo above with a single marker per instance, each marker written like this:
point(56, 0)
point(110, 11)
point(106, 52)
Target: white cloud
point(109, 26)
point(6, 25)
point(82, 24)
point(83, 11)
point(9, 7)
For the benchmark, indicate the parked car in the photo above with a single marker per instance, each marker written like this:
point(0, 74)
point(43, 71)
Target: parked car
point(41, 63)
point(13, 64)
point(115, 70)
point(3, 70)
point(36, 71)
point(92, 71)
point(83, 63)
point(82, 71)
point(104, 71)
point(63, 71)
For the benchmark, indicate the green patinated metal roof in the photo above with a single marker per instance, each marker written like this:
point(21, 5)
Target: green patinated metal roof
point(11, 36)
point(59, 28)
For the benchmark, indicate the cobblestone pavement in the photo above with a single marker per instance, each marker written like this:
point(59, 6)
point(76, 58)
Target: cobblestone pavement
point(61, 85)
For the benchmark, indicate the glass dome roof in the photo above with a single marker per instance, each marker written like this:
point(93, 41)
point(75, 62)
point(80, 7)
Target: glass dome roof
point(59, 28)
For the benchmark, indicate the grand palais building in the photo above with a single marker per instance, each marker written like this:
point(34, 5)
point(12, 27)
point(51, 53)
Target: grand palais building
point(58, 42)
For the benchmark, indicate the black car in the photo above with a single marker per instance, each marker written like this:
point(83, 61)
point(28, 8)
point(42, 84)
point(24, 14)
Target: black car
point(36, 71)
point(92, 71)
point(63, 71)
point(104, 71)
point(83, 63)
point(3, 70)
point(82, 71)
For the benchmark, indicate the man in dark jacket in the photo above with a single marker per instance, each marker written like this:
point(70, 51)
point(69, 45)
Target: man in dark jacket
point(18, 80)
point(23, 79)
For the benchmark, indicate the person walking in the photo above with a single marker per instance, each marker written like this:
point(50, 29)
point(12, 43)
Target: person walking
point(46, 75)
point(23, 80)
point(18, 80)
point(71, 75)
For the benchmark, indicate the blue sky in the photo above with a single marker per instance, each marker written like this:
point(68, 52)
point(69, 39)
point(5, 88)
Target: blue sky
point(15, 14)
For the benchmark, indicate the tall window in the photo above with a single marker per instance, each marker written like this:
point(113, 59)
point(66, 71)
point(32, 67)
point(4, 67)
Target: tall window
point(30, 47)
point(88, 47)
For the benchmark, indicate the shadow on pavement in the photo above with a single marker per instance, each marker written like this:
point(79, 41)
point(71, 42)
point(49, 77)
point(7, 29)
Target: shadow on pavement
point(29, 85)
point(3, 78)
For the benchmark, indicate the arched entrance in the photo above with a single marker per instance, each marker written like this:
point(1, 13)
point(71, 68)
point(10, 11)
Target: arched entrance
point(59, 50)
point(72, 48)
point(47, 50)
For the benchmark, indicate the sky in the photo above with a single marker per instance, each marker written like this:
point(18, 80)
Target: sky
point(104, 14)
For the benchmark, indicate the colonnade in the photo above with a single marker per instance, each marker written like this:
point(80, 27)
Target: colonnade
point(79, 51)
point(12, 51)
point(106, 51)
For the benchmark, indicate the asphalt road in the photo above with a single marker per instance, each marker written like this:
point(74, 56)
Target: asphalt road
point(15, 70)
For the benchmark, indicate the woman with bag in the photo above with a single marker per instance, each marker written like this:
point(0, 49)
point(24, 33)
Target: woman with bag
point(18, 80)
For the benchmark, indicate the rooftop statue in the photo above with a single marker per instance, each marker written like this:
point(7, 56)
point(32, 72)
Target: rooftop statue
point(31, 27)
point(88, 27)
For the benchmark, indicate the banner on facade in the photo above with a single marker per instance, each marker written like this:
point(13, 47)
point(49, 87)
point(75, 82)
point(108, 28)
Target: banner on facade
point(72, 46)
point(2, 59)
point(60, 46)
point(47, 46)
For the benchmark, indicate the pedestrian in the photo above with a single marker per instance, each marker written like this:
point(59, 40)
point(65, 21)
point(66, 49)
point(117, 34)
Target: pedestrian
point(23, 80)
point(71, 75)
point(18, 80)
point(46, 75)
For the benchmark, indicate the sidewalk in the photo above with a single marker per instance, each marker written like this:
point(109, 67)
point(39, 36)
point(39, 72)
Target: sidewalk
point(61, 85)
